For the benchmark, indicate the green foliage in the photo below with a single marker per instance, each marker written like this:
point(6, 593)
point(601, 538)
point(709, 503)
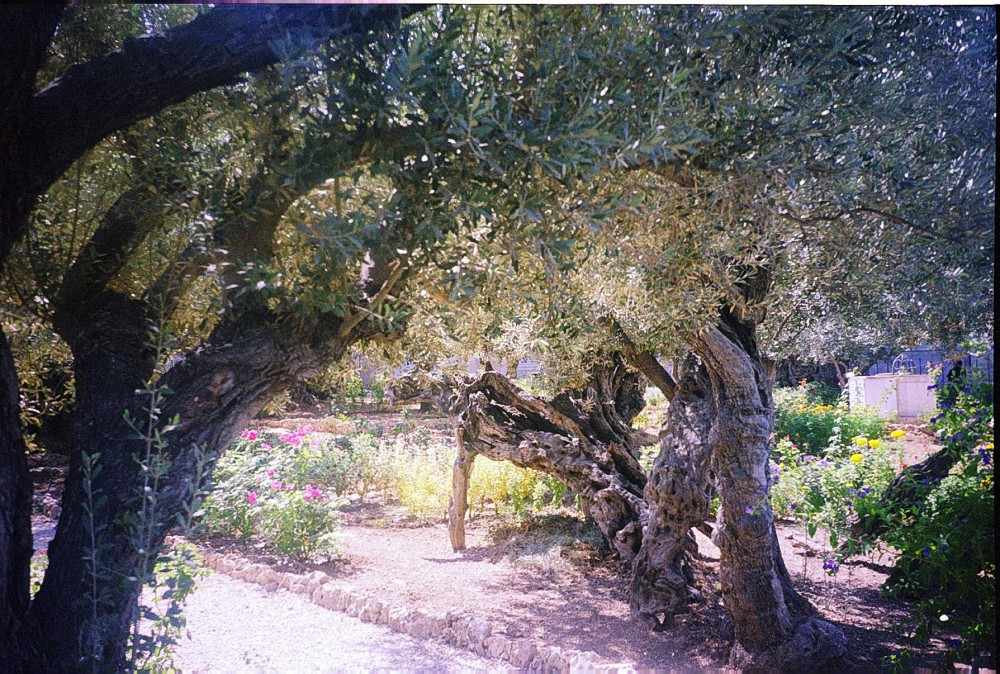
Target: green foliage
point(39, 562)
point(263, 482)
point(829, 492)
point(173, 580)
point(813, 419)
point(285, 494)
point(943, 542)
point(946, 541)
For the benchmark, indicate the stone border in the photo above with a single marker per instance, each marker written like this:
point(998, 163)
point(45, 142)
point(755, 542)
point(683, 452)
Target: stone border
point(452, 628)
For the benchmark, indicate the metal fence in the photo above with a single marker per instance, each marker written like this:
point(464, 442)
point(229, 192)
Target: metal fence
point(924, 360)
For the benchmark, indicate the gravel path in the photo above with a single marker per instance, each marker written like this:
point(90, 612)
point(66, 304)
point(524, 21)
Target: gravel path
point(238, 627)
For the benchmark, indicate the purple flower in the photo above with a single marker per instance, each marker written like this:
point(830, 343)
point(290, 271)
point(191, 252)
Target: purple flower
point(748, 510)
point(984, 456)
point(864, 491)
point(831, 566)
point(925, 552)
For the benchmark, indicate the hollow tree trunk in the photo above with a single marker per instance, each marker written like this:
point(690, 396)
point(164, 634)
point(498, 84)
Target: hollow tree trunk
point(678, 497)
point(214, 392)
point(756, 590)
point(582, 438)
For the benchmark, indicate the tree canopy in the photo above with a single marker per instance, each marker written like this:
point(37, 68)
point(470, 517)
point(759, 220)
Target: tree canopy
point(695, 178)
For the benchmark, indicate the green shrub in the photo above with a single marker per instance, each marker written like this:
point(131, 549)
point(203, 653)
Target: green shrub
point(946, 540)
point(284, 495)
point(829, 492)
point(943, 542)
point(804, 416)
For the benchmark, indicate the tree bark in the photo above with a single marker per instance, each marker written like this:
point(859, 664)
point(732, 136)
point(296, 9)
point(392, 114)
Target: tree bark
point(582, 438)
point(458, 502)
point(678, 497)
point(25, 33)
point(214, 392)
point(16, 545)
point(756, 589)
point(41, 134)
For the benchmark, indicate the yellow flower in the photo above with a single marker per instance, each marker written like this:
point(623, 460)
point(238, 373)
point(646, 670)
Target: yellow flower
point(874, 443)
point(861, 441)
point(989, 446)
point(897, 434)
point(857, 458)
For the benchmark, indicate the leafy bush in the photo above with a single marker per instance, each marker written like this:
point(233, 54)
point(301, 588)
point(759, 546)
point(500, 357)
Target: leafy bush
point(284, 495)
point(829, 492)
point(943, 542)
point(946, 541)
point(807, 417)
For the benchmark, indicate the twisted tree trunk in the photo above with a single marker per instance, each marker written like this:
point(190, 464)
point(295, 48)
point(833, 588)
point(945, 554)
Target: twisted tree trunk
point(773, 630)
point(582, 438)
point(213, 393)
point(678, 497)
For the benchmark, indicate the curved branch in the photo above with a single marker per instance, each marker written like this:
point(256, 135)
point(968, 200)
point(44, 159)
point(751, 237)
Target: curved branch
point(847, 212)
point(92, 100)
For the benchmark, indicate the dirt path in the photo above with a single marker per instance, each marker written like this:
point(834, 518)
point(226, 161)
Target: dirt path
point(540, 596)
point(236, 626)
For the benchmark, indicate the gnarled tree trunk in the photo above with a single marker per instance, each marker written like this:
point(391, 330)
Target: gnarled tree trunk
point(678, 495)
point(214, 392)
point(582, 438)
point(766, 611)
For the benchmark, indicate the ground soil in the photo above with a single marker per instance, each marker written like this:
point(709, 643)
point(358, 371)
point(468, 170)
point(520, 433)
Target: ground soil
point(544, 579)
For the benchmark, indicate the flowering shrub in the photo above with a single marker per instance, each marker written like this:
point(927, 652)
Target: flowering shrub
point(942, 539)
point(830, 491)
point(284, 494)
point(805, 416)
point(286, 490)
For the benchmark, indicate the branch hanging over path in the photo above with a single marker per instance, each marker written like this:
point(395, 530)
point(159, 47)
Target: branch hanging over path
point(147, 74)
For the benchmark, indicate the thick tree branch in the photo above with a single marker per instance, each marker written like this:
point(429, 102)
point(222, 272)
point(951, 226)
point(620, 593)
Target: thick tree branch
point(644, 361)
point(147, 74)
point(134, 214)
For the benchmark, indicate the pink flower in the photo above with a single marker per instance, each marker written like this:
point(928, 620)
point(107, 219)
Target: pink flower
point(250, 435)
point(252, 497)
point(290, 486)
point(286, 438)
point(308, 428)
point(312, 492)
point(276, 484)
point(270, 472)
point(265, 446)
point(296, 440)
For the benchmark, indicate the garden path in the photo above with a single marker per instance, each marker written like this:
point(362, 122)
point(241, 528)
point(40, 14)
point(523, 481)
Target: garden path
point(237, 626)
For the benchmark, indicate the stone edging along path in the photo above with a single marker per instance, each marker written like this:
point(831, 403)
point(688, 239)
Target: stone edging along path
point(452, 628)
